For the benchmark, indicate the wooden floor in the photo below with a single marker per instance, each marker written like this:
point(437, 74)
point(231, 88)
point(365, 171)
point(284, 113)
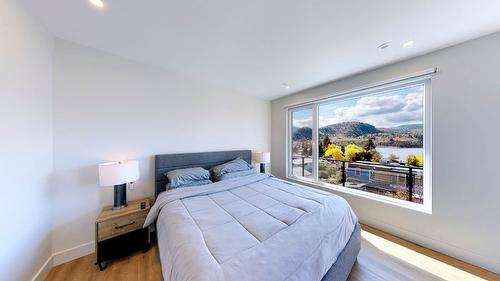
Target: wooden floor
point(382, 257)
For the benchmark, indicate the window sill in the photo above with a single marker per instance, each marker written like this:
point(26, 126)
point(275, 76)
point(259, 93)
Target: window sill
point(380, 198)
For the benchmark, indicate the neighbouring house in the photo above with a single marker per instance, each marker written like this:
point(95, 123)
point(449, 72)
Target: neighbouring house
point(385, 178)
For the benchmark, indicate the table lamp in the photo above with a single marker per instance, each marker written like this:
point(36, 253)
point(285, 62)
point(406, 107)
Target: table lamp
point(119, 174)
point(262, 158)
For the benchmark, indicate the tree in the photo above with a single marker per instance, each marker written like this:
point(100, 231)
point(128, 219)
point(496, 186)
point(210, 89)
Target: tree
point(413, 160)
point(363, 156)
point(325, 142)
point(369, 145)
point(368, 152)
point(320, 151)
point(376, 156)
point(352, 151)
point(393, 158)
point(334, 151)
point(323, 145)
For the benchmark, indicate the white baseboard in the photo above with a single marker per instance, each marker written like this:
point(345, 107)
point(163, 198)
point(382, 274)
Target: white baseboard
point(44, 270)
point(63, 257)
point(73, 253)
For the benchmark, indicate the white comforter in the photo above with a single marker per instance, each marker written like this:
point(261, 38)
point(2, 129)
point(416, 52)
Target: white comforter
point(250, 228)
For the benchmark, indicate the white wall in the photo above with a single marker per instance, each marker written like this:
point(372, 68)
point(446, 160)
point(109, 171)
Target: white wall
point(108, 108)
point(465, 222)
point(25, 143)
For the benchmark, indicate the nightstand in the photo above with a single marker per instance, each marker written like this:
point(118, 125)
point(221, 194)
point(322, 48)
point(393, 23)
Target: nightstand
point(119, 232)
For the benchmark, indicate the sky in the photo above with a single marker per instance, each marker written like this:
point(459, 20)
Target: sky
point(384, 110)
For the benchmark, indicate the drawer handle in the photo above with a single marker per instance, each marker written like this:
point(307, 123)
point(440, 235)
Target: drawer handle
point(125, 225)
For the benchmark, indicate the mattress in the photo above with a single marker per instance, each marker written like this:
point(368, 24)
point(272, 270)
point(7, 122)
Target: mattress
point(255, 227)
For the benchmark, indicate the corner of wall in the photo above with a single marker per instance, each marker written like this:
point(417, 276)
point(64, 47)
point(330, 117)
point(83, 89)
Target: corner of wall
point(43, 272)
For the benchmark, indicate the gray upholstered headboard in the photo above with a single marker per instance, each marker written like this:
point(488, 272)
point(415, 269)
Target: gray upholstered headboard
point(168, 162)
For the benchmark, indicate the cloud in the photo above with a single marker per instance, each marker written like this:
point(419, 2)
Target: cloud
point(302, 122)
point(373, 105)
point(382, 111)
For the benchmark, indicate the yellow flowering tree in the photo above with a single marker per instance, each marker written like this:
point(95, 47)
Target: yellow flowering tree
point(334, 151)
point(415, 160)
point(351, 152)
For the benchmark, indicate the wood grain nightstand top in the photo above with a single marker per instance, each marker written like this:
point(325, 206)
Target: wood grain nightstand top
point(133, 207)
point(113, 223)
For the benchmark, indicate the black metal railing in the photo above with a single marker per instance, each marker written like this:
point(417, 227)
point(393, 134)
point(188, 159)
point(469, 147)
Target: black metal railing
point(391, 170)
point(303, 163)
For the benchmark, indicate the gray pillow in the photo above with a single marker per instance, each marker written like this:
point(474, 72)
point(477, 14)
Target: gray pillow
point(236, 174)
point(182, 177)
point(193, 183)
point(232, 166)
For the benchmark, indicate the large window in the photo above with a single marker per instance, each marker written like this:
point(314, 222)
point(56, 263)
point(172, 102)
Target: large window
point(375, 143)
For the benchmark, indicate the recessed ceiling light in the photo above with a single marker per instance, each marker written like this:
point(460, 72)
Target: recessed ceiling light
point(286, 86)
point(97, 3)
point(408, 44)
point(384, 45)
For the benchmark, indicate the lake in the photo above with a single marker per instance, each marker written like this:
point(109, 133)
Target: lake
point(402, 153)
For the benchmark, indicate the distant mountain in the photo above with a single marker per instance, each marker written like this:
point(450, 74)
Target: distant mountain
point(348, 129)
point(302, 133)
point(405, 128)
point(353, 130)
point(410, 127)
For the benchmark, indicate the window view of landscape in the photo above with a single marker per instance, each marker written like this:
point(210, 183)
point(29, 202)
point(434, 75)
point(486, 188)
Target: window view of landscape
point(372, 143)
point(302, 143)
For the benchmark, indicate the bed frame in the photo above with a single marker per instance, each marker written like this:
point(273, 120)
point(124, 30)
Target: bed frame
point(206, 160)
point(166, 162)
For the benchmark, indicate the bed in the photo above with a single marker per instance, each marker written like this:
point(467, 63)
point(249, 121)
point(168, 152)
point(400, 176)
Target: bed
point(255, 227)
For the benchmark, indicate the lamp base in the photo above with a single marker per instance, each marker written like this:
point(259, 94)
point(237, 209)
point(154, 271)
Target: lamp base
point(119, 207)
point(120, 197)
point(262, 167)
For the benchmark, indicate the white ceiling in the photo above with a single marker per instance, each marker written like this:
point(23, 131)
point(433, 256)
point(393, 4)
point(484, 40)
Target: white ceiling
point(254, 46)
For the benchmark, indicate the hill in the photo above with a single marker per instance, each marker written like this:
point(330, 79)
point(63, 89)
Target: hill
point(302, 133)
point(348, 129)
point(416, 128)
point(407, 136)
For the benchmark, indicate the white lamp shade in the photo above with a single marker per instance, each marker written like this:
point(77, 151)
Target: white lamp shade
point(262, 157)
point(115, 173)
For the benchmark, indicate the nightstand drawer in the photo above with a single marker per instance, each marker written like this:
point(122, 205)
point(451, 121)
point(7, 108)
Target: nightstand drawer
point(121, 225)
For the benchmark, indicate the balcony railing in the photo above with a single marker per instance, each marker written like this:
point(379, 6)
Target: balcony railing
point(396, 180)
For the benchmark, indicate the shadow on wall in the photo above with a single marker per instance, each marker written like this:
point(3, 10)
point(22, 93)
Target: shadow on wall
point(78, 198)
point(33, 247)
